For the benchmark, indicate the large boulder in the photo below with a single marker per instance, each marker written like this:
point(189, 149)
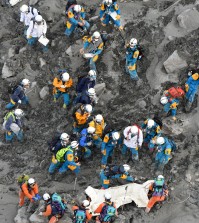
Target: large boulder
point(189, 19)
point(44, 92)
point(174, 63)
point(21, 216)
point(33, 94)
point(6, 71)
point(100, 89)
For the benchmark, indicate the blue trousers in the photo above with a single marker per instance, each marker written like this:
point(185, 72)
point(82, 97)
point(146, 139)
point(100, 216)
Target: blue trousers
point(66, 166)
point(108, 18)
point(24, 101)
point(33, 40)
point(70, 30)
point(64, 95)
point(10, 135)
point(132, 73)
point(161, 160)
point(97, 142)
point(109, 152)
point(53, 167)
point(87, 153)
point(134, 152)
point(148, 139)
point(167, 109)
point(190, 95)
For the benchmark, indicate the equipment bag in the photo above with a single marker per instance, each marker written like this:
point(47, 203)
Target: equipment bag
point(108, 213)
point(80, 216)
point(22, 179)
point(176, 92)
point(57, 208)
point(54, 141)
point(57, 197)
point(158, 120)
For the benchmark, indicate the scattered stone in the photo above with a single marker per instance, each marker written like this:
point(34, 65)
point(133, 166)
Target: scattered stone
point(44, 92)
point(22, 49)
point(174, 63)
point(188, 177)
point(33, 2)
point(42, 62)
point(142, 104)
point(171, 38)
point(21, 216)
point(36, 218)
point(53, 43)
point(69, 51)
point(120, 219)
point(6, 72)
point(94, 18)
point(94, 28)
point(99, 89)
point(33, 95)
point(189, 19)
point(11, 52)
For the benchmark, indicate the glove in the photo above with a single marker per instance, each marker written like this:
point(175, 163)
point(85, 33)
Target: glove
point(35, 199)
point(186, 87)
point(54, 159)
point(40, 214)
point(118, 17)
point(38, 196)
point(89, 144)
point(29, 37)
point(103, 152)
point(63, 86)
point(19, 101)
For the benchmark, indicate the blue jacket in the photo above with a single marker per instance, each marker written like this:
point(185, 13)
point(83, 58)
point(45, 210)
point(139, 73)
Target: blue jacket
point(75, 17)
point(12, 120)
point(193, 84)
point(18, 94)
point(166, 146)
point(84, 84)
point(112, 8)
point(84, 138)
point(154, 131)
point(109, 142)
point(132, 55)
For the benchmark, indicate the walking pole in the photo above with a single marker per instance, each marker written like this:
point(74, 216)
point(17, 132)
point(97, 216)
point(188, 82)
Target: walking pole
point(74, 189)
point(124, 198)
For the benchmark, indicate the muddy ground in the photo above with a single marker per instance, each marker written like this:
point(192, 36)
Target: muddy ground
point(154, 24)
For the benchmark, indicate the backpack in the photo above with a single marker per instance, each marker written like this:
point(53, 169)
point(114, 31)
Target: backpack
point(158, 186)
point(176, 92)
point(60, 156)
point(22, 179)
point(54, 141)
point(12, 87)
point(57, 208)
point(158, 121)
point(107, 214)
point(80, 216)
point(7, 116)
point(173, 145)
point(56, 197)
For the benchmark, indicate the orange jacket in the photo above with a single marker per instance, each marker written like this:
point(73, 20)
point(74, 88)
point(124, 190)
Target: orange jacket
point(29, 192)
point(88, 215)
point(57, 84)
point(81, 118)
point(48, 211)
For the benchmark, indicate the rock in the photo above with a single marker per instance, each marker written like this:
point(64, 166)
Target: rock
point(22, 49)
point(188, 177)
point(120, 219)
point(93, 18)
point(27, 73)
point(66, 220)
point(44, 92)
point(6, 72)
point(11, 52)
point(171, 38)
point(99, 89)
point(39, 219)
point(21, 216)
point(93, 28)
point(189, 19)
point(42, 62)
point(33, 94)
point(69, 51)
point(33, 2)
point(142, 104)
point(174, 63)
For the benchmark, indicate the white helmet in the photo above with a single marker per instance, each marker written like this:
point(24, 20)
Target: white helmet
point(164, 100)
point(64, 136)
point(65, 77)
point(46, 197)
point(160, 177)
point(31, 181)
point(116, 135)
point(98, 118)
point(91, 92)
point(25, 82)
point(96, 36)
point(24, 8)
point(126, 167)
point(133, 42)
point(77, 8)
point(92, 73)
point(38, 18)
point(107, 196)
point(74, 144)
point(160, 140)
point(19, 113)
point(108, 2)
point(150, 123)
point(85, 203)
point(134, 130)
point(90, 129)
point(88, 108)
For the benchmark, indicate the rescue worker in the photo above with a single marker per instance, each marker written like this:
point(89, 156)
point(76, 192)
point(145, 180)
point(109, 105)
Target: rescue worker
point(36, 29)
point(159, 192)
point(132, 55)
point(191, 88)
point(60, 143)
point(88, 97)
point(133, 139)
point(76, 18)
point(114, 172)
point(13, 125)
point(82, 213)
point(99, 124)
point(54, 210)
point(152, 131)
point(28, 13)
point(164, 153)
point(107, 210)
point(86, 138)
point(81, 117)
point(30, 190)
point(61, 86)
point(18, 95)
point(110, 12)
point(92, 45)
point(110, 141)
point(84, 84)
point(80, 153)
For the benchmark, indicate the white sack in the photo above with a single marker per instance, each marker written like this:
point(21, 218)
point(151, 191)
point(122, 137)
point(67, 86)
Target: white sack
point(14, 2)
point(15, 128)
point(135, 192)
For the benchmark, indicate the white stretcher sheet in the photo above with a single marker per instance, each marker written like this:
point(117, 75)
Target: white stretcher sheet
point(14, 2)
point(113, 15)
point(43, 40)
point(88, 55)
point(135, 192)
